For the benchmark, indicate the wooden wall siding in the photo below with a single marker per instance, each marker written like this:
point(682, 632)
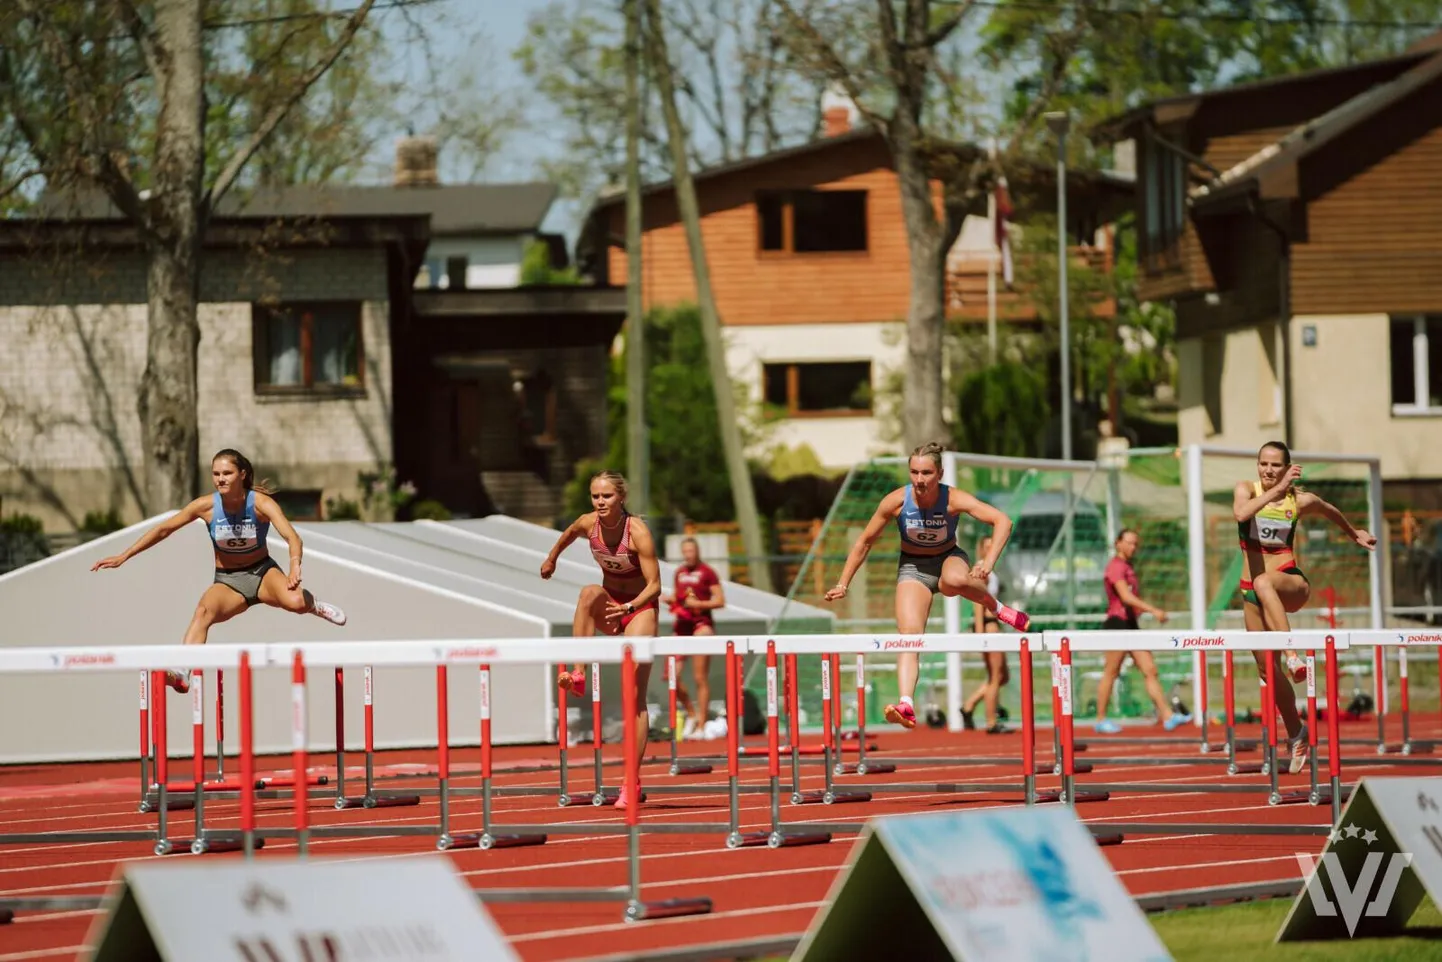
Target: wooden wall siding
point(1226, 151)
point(966, 289)
point(1245, 254)
point(1374, 220)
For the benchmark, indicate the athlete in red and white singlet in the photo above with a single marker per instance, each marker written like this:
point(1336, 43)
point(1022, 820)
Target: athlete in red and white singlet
point(625, 602)
point(698, 593)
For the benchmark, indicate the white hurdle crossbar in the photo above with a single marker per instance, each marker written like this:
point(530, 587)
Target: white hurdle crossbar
point(1403, 640)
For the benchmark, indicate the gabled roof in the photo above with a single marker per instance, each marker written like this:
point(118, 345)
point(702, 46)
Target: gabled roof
point(453, 208)
point(1277, 162)
point(1165, 110)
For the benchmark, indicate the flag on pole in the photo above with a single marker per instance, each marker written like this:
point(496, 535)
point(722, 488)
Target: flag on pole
point(1003, 232)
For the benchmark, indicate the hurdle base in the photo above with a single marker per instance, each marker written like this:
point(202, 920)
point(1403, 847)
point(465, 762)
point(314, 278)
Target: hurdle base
point(866, 768)
point(222, 845)
point(1419, 748)
point(392, 801)
point(1390, 748)
point(451, 843)
point(691, 769)
point(1055, 795)
point(829, 798)
point(1245, 747)
point(747, 839)
point(173, 803)
point(789, 840)
point(1108, 838)
point(609, 797)
point(668, 909)
point(489, 841)
point(1250, 768)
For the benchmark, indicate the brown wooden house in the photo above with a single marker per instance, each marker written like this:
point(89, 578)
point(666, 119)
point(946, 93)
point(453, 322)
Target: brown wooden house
point(1296, 225)
point(808, 257)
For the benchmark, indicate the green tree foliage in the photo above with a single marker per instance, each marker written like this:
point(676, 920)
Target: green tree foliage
point(688, 474)
point(536, 269)
point(1002, 409)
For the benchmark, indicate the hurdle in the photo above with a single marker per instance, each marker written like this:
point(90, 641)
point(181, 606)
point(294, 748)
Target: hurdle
point(1403, 640)
point(1064, 643)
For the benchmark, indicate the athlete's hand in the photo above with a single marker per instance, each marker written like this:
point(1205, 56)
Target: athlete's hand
point(1291, 476)
point(292, 580)
point(691, 602)
point(1366, 539)
point(548, 568)
point(836, 594)
point(114, 561)
point(615, 612)
point(981, 571)
point(1160, 615)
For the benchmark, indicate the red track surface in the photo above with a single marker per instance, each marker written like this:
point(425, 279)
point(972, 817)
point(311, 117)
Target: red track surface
point(756, 892)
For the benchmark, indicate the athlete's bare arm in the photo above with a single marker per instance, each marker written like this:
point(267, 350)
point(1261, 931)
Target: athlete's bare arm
point(581, 526)
point(193, 511)
point(963, 503)
point(1309, 503)
point(886, 513)
point(268, 510)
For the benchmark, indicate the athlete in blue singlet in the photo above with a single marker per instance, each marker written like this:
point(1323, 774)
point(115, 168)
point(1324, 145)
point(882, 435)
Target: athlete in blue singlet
point(926, 512)
point(238, 517)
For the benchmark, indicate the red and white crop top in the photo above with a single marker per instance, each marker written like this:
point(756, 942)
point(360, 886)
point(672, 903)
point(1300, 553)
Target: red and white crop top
point(622, 562)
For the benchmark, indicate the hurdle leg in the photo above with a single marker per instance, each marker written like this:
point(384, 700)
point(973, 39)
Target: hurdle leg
point(1056, 714)
point(735, 838)
point(1311, 796)
point(1379, 668)
point(446, 841)
point(489, 837)
point(1334, 738)
point(163, 845)
point(249, 843)
point(1273, 723)
point(197, 721)
point(779, 838)
point(1205, 708)
point(1406, 748)
point(1028, 725)
point(145, 741)
point(600, 796)
point(340, 797)
point(220, 724)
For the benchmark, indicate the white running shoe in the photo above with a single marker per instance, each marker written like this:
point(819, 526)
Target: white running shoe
point(1301, 751)
point(329, 612)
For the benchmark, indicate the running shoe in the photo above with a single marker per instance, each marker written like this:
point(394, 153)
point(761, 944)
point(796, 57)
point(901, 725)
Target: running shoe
point(573, 682)
point(996, 728)
point(903, 715)
point(1176, 720)
point(968, 723)
point(1106, 727)
point(178, 680)
point(1019, 620)
point(1301, 751)
point(1296, 666)
point(623, 797)
point(328, 611)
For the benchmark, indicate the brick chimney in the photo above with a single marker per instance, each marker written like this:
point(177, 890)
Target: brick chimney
point(838, 112)
point(416, 159)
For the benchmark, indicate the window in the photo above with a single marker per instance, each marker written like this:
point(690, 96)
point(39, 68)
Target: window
point(820, 389)
point(1165, 205)
point(302, 348)
point(812, 221)
point(1416, 365)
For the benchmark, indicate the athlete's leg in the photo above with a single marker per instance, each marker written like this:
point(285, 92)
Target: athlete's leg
point(1279, 593)
point(996, 676)
point(1284, 697)
point(701, 675)
point(956, 579)
point(913, 606)
point(589, 618)
point(1111, 668)
point(219, 603)
point(1147, 665)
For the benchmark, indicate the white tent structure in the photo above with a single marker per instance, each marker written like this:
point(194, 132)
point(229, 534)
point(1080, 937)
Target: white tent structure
point(401, 582)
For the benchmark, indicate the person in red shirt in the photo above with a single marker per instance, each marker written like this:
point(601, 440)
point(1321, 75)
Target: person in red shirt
point(1123, 607)
point(698, 593)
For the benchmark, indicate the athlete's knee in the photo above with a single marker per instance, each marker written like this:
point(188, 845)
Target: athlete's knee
point(298, 602)
point(1265, 585)
point(206, 613)
point(591, 594)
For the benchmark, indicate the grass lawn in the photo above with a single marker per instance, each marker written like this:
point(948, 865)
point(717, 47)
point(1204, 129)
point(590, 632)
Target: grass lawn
point(1244, 933)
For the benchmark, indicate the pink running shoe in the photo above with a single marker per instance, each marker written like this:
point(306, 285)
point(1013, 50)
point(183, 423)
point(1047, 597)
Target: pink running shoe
point(572, 682)
point(903, 715)
point(623, 798)
point(1296, 666)
point(178, 680)
point(1019, 620)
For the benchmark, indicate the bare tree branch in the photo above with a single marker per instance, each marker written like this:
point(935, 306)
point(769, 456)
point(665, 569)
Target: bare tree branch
point(832, 65)
point(947, 26)
point(277, 113)
point(1064, 47)
point(140, 33)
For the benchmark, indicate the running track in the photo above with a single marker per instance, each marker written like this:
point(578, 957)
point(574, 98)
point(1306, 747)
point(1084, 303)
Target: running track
point(756, 892)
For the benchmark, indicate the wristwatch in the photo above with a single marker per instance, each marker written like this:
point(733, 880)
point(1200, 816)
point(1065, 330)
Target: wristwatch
point(630, 608)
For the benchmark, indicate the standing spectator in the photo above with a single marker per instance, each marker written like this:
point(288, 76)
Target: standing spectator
point(698, 594)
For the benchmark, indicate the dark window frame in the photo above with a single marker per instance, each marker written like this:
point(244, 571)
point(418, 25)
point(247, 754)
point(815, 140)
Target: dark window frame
point(308, 387)
point(1163, 186)
point(776, 222)
point(792, 408)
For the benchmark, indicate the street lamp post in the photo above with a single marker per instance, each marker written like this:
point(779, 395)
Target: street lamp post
point(1059, 122)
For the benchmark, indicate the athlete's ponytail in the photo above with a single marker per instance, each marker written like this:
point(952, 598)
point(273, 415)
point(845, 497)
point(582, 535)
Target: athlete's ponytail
point(246, 469)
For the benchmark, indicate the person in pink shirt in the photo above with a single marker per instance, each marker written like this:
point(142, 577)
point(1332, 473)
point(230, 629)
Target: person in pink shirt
point(1123, 607)
point(698, 593)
